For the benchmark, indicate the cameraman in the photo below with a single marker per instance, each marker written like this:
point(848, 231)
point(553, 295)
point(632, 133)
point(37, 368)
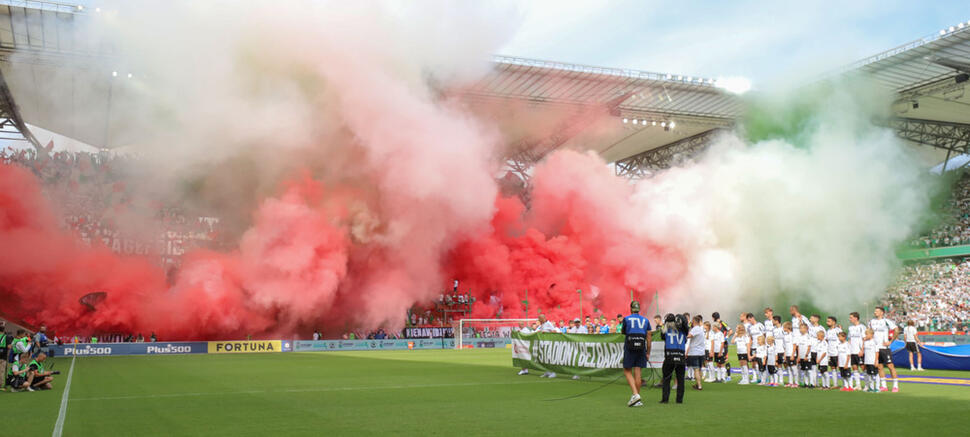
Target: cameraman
point(635, 328)
point(675, 340)
point(16, 376)
point(39, 378)
point(40, 341)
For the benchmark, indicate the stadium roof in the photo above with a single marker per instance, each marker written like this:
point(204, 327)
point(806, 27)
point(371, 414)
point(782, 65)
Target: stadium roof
point(642, 104)
point(638, 91)
point(929, 77)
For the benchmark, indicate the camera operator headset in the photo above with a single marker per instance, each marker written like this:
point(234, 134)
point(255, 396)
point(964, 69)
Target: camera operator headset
point(675, 341)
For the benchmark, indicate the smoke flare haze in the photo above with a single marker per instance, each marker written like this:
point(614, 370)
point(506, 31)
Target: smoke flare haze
point(352, 187)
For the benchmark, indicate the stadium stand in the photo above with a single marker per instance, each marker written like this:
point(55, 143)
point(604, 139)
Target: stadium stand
point(934, 294)
point(955, 228)
point(89, 187)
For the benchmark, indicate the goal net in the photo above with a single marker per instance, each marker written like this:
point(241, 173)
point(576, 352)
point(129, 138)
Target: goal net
point(468, 329)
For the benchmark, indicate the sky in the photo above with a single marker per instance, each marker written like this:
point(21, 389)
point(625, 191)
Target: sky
point(769, 42)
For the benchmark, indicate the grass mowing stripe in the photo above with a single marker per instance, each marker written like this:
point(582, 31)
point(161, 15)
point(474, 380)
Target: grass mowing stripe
point(303, 390)
point(59, 425)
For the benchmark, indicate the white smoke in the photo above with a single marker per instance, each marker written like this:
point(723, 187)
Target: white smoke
point(773, 223)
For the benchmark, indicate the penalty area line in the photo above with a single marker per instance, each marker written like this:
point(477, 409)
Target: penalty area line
point(62, 413)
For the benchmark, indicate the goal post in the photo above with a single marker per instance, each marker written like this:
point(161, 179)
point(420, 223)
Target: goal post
point(487, 328)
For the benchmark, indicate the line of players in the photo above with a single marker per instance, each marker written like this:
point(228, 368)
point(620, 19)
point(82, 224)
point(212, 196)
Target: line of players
point(804, 351)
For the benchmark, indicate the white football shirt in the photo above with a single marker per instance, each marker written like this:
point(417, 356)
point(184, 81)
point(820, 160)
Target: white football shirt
point(832, 337)
point(909, 333)
point(870, 347)
point(789, 344)
point(696, 341)
point(856, 332)
point(880, 329)
point(779, 335)
point(843, 351)
point(742, 343)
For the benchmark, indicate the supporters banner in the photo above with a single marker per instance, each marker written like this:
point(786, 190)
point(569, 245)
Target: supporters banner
point(245, 347)
point(430, 332)
point(575, 354)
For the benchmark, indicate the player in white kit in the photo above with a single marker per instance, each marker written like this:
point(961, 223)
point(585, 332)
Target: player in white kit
point(790, 361)
point(856, 332)
point(778, 334)
point(708, 353)
point(771, 362)
point(760, 356)
point(742, 344)
point(870, 351)
point(842, 350)
point(820, 350)
point(755, 331)
point(832, 338)
point(912, 345)
point(718, 352)
point(803, 350)
point(883, 329)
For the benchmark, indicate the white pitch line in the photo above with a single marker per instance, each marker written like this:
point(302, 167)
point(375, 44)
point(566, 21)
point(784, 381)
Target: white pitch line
point(299, 390)
point(59, 425)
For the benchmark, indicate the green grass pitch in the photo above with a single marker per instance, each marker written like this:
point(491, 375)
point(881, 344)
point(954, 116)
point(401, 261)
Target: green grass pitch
point(446, 392)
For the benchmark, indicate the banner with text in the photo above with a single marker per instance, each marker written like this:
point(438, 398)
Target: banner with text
point(430, 332)
point(402, 344)
point(109, 349)
point(245, 347)
point(575, 354)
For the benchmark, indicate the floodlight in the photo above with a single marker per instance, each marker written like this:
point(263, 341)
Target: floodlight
point(634, 121)
point(626, 120)
point(672, 125)
point(114, 74)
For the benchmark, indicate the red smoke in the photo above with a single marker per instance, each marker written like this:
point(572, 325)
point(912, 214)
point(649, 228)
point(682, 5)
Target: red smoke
point(309, 261)
point(578, 235)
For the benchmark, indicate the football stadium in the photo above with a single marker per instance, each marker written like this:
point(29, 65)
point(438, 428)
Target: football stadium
point(484, 218)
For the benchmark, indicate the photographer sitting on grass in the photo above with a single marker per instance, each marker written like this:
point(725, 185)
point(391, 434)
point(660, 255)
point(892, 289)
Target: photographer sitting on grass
point(17, 373)
point(39, 378)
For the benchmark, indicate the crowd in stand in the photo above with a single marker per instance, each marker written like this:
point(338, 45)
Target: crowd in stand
point(91, 190)
point(936, 295)
point(955, 228)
